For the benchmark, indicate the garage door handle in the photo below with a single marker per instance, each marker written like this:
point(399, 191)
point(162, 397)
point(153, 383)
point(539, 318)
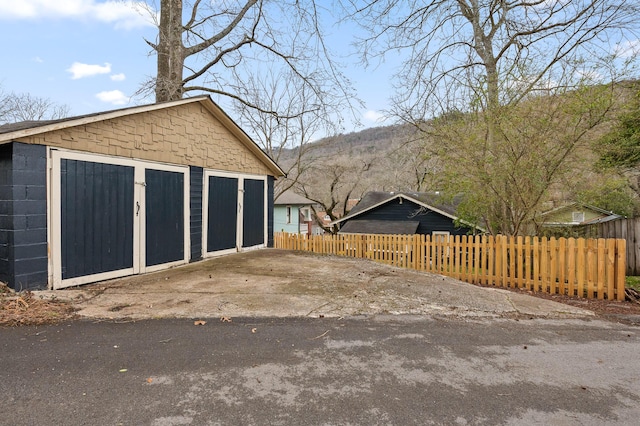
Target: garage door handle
point(137, 208)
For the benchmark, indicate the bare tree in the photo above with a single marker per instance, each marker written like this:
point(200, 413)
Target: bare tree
point(285, 137)
point(409, 165)
point(486, 57)
point(16, 107)
point(486, 54)
point(267, 59)
point(330, 184)
point(213, 47)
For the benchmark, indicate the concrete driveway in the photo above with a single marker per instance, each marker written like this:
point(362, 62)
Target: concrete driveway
point(278, 283)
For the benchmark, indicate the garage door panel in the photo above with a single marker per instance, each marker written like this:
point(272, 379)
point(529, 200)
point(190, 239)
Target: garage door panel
point(96, 217)
point(222, 213)
point(164, 216)
point(253, 213)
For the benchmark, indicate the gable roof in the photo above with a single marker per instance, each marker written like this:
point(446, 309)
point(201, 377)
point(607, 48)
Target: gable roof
point(576, 204)
point(14, 131)
point(291, 198)
point(373, 199)
point(606, 215)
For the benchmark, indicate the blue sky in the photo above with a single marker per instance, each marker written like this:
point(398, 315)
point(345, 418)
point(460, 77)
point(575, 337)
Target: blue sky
point(91, 55)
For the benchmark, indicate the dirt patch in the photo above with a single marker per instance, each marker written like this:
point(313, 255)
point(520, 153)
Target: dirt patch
point(626, 311)
point(277, 283)
point(26, 308)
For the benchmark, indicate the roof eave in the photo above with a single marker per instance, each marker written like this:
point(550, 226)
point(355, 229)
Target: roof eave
point(413, 200)
point(93, 118)
point(391, 198)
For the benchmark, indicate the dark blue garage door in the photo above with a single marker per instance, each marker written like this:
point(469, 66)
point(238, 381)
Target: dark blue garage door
point(253, 213)
point(97, 217)
point(164, 216)
point(222, 213)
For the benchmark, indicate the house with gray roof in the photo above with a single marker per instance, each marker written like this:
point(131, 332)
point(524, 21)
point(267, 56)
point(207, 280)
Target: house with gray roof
point(129, 191)
point(403, 213)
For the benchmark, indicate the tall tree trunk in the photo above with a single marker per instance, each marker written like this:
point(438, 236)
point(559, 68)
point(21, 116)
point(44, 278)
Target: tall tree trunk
point(170, 51)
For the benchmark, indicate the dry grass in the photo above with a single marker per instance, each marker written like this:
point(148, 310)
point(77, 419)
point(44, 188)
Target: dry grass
point(24, 308)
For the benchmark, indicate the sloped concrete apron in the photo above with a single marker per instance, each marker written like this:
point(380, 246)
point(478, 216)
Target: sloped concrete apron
point(277, 283)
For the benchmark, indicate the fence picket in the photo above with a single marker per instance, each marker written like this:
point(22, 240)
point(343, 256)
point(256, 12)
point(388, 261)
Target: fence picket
point(571, 266)
point(536, 265)
point(600, 277)
point(494, 264)
point(611, 269)
point(553, 265)
point(620, 269)
point(561, 265)
point(592, 268)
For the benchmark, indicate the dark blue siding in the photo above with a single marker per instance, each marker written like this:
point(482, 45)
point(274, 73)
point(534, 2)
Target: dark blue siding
point(96, 217)
point(164, 218)
point(253, 213)
point(430, 221)
point(195, 208)
point(222, 213)
point(23, 216)
point(6, 214)
point(270, 195)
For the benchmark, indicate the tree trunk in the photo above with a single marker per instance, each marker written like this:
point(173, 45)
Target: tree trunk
point(170, 50)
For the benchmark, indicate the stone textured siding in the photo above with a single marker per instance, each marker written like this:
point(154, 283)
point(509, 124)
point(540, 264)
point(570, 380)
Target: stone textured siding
point(187, 135)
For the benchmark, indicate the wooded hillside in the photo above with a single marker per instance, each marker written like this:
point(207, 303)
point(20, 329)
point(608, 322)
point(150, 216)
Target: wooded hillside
point(411, 158)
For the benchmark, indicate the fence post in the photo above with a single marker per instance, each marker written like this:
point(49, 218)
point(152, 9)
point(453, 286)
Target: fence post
point(601, 268)
point(611, 269)
point(620, 276)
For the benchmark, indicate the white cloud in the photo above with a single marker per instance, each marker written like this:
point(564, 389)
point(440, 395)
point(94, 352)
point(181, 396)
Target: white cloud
point(374, 116)
point(37, 59)
point(114, 97)
point(80, 70)
point(117, 77)
point(123, 14)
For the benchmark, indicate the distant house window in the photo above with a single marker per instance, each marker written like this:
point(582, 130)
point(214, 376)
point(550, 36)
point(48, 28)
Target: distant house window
point(305, 214)
point(327, 218)
point(578, 217)
point(441, 236)
point(288, 214)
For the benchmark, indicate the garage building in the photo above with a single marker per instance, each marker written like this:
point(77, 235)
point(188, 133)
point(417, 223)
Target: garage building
point(129, 191)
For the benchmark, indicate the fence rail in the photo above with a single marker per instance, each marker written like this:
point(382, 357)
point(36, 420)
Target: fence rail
point(589, 268)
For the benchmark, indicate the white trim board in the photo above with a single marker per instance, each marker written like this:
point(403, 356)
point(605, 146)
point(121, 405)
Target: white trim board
point(241, 177)
point(54, 157)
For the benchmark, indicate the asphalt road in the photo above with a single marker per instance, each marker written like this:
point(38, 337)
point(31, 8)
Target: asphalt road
point(399, 370)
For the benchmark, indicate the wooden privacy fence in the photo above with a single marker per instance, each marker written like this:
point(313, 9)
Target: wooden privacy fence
point(627, 229)
point(591, 268)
